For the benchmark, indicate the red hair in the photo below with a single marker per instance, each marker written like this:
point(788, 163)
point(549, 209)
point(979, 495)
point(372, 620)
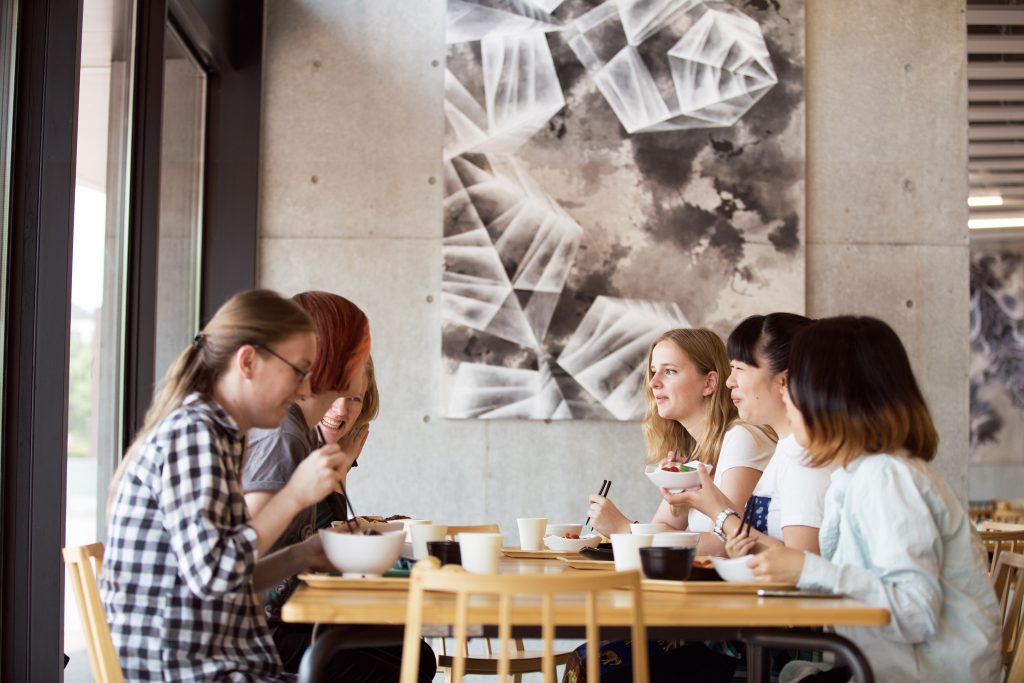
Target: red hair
point(343, 340)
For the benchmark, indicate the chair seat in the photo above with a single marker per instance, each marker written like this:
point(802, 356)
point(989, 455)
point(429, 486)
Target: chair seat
point(519, 662)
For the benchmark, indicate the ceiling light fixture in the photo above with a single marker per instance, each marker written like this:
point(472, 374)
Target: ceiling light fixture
point(985, 200)
point(988, 223)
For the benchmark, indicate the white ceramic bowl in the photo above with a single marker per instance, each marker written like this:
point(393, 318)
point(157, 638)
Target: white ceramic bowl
point(734, 569)
point(647, 528)
point(560, 529)
point(361, 555)
point(676, 539)
point(674, 481)
point(571, 545)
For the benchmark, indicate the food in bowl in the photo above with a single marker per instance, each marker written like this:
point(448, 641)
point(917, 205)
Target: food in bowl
point(734, 569)
point(569, 535)
point(571, 545)
point(362, 554)
point(563, 529)
point(678, 467)
point(675, 480)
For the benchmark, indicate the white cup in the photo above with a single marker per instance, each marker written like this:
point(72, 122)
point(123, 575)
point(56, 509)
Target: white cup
point(652, 528)
point(480, 552)
point(676, 539)
point(626, 548)
point(421, 533)
point(531, 532)
point(408, 523)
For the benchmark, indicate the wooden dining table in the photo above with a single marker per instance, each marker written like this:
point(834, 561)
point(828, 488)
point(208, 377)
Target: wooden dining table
point(705, 612)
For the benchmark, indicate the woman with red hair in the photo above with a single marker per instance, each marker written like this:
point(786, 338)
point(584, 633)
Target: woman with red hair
point(343, 348)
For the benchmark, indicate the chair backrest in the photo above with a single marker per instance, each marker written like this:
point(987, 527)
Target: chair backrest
point(429, 576)
point(1010, 516)
point(997, 542)
point(1008, 579)
point(454, 531)
point(83, 563)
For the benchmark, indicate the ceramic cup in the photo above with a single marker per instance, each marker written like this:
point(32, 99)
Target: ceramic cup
point(652, 528)
point(445, 551)
point(422, 534)
point(480, 552)
point(408, 524)
point(531, 532)
point(676, 539)
point(626, 548)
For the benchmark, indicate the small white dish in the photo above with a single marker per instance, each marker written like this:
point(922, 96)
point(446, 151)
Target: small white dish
point(562, 529)
point(571, 545)
point(647, 528)
point(734, 569)
point(676, 539)
point(675, 481)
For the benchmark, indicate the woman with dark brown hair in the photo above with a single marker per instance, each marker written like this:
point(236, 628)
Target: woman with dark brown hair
point(894, 534)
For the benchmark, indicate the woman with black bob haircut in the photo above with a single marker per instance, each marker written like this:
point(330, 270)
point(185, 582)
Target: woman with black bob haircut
point(894, 534)
point(789, 500)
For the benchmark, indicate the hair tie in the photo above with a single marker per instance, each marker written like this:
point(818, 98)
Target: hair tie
point(197, 341)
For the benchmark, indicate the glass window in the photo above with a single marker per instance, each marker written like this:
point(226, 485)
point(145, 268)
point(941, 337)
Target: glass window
point(97, 286)
point(181, 201)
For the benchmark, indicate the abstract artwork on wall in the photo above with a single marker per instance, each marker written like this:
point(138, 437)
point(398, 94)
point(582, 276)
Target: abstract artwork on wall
point(613, 169)
point(997, 355)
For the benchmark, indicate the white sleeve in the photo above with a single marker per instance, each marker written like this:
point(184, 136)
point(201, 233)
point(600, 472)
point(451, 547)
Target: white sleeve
point(801, 494)
point(741, 449)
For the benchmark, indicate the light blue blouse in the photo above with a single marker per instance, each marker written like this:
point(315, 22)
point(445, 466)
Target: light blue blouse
point(895, 536)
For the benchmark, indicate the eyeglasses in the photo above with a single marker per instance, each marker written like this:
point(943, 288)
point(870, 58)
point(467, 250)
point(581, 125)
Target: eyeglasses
point(303, 375)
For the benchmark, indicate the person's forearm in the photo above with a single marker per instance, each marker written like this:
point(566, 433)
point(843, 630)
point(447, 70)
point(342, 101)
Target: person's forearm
point(278, 565)
point(271, 521)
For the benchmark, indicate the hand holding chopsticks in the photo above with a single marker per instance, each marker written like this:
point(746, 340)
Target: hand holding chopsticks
point(603, 491)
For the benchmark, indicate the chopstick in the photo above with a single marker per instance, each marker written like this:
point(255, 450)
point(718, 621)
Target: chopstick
point(748, 517)
point(337, 509)
point(606, 486)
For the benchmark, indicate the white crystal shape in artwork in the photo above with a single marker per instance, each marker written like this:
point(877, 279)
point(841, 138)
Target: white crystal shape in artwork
point(521, 93)
point(493, 392)
point(720, 65)
point(505, 240)
point(607, 353)
point(470, 21)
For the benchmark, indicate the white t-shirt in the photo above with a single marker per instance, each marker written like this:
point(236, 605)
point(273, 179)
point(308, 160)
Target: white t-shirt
point(740, 448)
point(797, 491)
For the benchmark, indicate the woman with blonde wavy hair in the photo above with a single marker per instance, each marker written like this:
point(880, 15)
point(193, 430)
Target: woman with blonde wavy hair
point(690, 417)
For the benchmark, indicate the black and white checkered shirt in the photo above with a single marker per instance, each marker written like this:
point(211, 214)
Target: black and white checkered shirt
point(177, 571)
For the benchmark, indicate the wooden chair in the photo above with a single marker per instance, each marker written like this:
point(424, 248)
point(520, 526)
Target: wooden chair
point(83, 563)
point(429, 576)
point(453, 531)
point(1008, 579)
point(1008, 516)
point(522, 660)
point(998, 541)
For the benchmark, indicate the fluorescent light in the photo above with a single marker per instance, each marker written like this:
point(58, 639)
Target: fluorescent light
point(986, 223)
point(985, 200)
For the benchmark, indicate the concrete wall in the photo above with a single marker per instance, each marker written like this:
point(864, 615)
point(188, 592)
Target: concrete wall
point(351, 203)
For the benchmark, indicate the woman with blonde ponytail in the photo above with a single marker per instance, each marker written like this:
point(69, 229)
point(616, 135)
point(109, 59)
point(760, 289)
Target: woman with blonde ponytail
point(690, 417)
point(179, 571)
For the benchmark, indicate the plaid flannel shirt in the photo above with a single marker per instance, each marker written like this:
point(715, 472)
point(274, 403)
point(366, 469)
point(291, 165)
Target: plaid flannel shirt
point(177, 571)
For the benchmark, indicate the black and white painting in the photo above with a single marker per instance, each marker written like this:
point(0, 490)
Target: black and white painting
point(612, 170)
point(997, 355)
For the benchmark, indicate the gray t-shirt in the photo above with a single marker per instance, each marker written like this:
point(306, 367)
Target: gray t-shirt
point(273, 455)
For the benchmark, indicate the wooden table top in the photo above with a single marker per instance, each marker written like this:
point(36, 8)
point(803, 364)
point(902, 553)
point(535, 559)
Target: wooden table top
point(325, 605)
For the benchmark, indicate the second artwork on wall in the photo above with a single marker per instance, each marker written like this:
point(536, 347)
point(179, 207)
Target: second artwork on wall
point(612, 170)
